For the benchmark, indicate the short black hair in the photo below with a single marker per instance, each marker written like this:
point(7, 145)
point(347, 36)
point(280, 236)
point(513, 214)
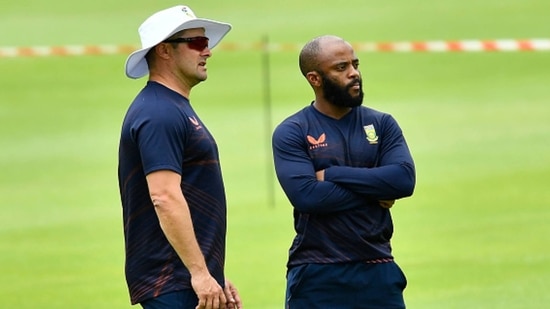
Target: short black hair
point(308, 56)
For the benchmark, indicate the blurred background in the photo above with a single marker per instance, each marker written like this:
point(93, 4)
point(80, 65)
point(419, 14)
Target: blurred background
point(474, 234)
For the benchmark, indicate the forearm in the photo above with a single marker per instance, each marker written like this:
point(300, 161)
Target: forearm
point(385, 182)
point(175, 221)
point(312, 196)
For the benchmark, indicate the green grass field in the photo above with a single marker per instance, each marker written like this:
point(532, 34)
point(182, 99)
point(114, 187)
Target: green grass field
point(474, 235)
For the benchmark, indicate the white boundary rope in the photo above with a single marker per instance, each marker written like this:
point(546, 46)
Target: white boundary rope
point(503, 45)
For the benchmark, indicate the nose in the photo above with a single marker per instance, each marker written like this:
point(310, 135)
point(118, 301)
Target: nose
point(354, 72)
point(206, 52)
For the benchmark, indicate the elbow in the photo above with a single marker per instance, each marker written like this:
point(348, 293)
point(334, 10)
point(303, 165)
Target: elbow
point(408, 189)
point(306, 203)
point(402, 183)
point(300, 194)
point(304, 206)
point(401, 189)
point(160, 199)
point(408, 181)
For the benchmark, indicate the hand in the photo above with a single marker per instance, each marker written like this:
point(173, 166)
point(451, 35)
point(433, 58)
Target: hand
point(232, 295)
point(386, 203)
point(209, 292)
point(320, 175)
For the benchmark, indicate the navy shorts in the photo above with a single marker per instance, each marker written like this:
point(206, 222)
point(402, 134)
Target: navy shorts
point(186, 299)
point(346, 286)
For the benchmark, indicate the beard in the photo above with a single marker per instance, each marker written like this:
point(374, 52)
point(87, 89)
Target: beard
point(340, 96)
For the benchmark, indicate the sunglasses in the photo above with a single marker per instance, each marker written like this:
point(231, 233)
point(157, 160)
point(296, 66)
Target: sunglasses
point(198, 43)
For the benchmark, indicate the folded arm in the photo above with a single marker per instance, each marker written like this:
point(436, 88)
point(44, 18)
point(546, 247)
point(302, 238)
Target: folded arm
point(297, 177)
point(392, 178)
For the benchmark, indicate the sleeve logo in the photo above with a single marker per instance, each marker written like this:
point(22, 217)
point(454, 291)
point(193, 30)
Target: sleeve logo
point(195, 122)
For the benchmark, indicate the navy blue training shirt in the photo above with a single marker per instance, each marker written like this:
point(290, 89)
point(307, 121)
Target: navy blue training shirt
point(161, 131)
point(366, 159)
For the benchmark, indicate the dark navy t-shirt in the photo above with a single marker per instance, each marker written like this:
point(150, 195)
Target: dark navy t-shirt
point(366, 159)
point(161, 131)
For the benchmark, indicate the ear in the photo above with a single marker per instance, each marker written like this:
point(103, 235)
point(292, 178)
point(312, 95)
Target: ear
point(313, 78)
point(163, 50)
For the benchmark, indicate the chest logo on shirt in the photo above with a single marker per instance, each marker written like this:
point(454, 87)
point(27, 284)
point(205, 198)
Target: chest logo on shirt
point(371, 134)
point(195, 122)
point(315, 143)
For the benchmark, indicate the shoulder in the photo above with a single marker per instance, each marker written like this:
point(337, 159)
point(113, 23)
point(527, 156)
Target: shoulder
point(295, 122)
point(365, 111)
point(367, 114)
point(300, 117)
point(292, 131)
point(156, 99)
point(158, 106)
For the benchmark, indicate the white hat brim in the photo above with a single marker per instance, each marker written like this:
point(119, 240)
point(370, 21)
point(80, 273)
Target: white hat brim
point(136, 65)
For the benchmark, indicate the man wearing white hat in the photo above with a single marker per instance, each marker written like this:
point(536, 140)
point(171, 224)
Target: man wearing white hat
point(171, 187)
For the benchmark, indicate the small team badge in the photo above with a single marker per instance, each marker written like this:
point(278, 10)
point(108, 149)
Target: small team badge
point(371, 134)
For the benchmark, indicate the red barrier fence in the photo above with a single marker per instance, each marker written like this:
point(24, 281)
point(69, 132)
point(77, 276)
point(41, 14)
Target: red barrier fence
point(503, 45)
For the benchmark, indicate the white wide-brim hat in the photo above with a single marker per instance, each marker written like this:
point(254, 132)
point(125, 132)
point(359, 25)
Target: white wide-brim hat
point(163, 24)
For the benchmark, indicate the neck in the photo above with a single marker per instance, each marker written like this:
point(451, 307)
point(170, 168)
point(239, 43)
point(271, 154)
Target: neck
point(329, 109)
point(171, 84)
